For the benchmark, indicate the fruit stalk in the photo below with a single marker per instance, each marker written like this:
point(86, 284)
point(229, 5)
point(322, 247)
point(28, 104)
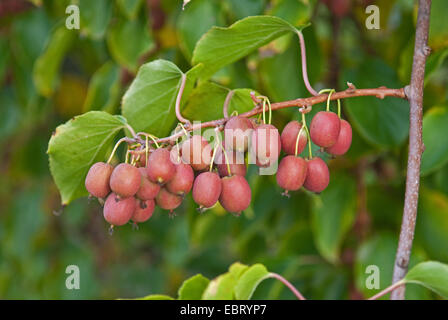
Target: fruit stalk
point(414, 92)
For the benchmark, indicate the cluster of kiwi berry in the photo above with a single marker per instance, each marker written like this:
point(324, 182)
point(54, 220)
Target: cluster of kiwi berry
point(167, 174)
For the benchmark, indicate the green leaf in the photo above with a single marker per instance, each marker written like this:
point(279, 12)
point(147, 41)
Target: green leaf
point(149, 103)
point(46, 67)
point(381, 122)
point(95, 17)
point(197, 18)
point(104, 89)
point(432, 275)
point(76, 145)
point(130, 8)
point(249, 281)
point(220, 288)
point(193, 288)
point(333, 213)
point(435, 139)
point(222, 46)
point(154, 297)
point(237, 269)
point(127, 41)
point(206, 101)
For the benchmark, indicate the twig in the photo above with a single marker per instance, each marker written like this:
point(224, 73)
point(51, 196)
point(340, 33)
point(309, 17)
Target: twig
point(399, 284)
point(414, 92)
point(225, 108)
point(288, 284)
point(179, 98)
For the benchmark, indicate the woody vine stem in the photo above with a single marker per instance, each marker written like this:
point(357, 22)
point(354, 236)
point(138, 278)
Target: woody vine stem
point(412, 92)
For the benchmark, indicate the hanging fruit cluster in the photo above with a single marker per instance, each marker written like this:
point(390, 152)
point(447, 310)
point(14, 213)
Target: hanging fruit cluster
point(162, 176)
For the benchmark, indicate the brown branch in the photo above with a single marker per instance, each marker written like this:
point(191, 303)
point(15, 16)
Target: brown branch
point(414, 92)
point(380, 93)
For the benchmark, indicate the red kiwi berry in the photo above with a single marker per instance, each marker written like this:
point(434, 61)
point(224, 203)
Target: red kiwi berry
point(148, 190)
point(237, 132)
point(206, 190)
point(324, 128)
point(289, 138)
point(160, 168)
point(266, 144)
point(167, 200)
point(317, 175)
point(291, 173)
point(237, 163)
point(143, 210)
point(236, 194)
point(97, 179)
point(125, 180)
point(197, 152)
point(182, 182)
point(175, 154)
point(118, 213)
point(344, 140)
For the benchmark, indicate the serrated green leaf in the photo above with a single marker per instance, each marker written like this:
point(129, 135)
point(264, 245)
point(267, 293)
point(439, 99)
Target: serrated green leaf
point(435, 139)
point(249, 281)
point(381, 122)
point(104, 89)
point(206, 101)
point(75, 146)
point(149, 103)
point(95, 17)
point(432, 275)
point(127, 41)
point(46, 67)
point(222, 46)
point(333, 213)
point(193, 288)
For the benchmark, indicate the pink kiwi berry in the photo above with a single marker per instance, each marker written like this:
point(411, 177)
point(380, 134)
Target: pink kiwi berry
point(148, 190)
point(197, 152)
point(289, 138)
point(97, 179)
point(206, 189)
point(344, 140)
point(143, 210)
point(236, 194)
point(237, 133)
point(237, 163)
point(182, 182)
point(118, 213)
point(317, 175)
point(324, 128)
point(125, 180)
point(266, 144)
point(167, 200)
point(291, 173)
point(160, 168)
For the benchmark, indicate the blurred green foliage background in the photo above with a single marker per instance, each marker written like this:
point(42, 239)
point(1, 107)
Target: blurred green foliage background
point(322, 244)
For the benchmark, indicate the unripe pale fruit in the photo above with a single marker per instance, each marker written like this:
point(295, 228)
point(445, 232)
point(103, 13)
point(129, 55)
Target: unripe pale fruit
point(182, 182)
point(97, 179)
point(160, 168)
point(324, 128)
point(125, 180)
point(236, 194)
point(197, 152)
point(289, 138)
point(143, 210)
point(291, 173)
point(175, 154)
point(206, 189)
point(344, 140)
point(317, 175)
point(266, 144)
point(148, 190)
point(167, 200)
point(237, 133)
point(118, 213)
point(237, 163)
